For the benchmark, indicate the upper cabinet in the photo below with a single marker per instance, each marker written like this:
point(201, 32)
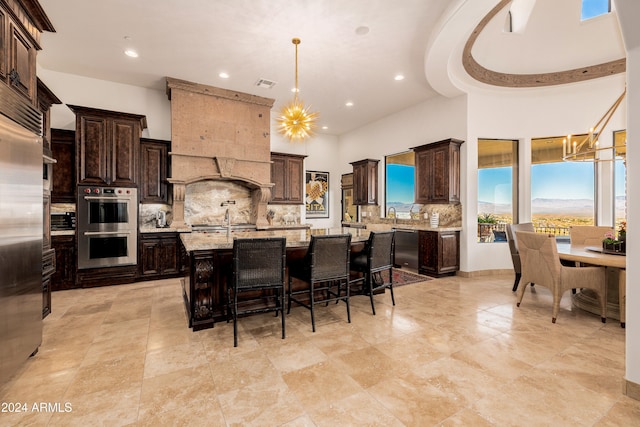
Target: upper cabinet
point(365, 182)
point(287, 175)
point(21, 23)
point(437, 172)
point(154, 159)
point(63, 148)
point(108, 146)
point(46, 99)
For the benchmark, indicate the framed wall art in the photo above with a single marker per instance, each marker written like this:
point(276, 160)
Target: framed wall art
point(317, 194)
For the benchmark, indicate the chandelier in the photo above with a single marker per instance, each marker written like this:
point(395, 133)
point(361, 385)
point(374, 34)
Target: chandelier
point(295, 121)
point(587, 148)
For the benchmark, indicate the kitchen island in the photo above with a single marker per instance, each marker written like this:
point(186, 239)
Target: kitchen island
point(210, 266)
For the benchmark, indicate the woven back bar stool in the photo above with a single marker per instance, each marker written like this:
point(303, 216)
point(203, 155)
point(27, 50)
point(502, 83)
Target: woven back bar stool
point(258, 268)
point(325, 269)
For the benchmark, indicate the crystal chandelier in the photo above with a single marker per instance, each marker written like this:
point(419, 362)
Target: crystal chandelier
point(295, 121)
point(588, 149)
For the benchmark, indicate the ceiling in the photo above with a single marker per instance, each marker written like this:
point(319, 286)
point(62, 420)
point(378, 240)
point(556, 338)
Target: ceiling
point(350, 50)
point(196, 40)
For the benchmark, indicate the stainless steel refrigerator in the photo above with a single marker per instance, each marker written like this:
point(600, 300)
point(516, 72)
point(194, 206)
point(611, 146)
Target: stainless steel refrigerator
point(20, 243)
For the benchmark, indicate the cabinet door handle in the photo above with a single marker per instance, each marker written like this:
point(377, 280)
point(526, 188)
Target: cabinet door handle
point(14, 77)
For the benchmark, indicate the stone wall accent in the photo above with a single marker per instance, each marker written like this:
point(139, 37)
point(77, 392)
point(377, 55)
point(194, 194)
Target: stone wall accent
point(219, 135)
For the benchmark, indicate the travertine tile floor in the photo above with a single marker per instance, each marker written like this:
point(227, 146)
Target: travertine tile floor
point(452, 352)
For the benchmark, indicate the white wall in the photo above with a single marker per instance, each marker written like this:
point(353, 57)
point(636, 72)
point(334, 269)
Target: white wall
point(87, 92)
point(629, 10)
point(523, 114)
point(321, 156)
point(433, 120)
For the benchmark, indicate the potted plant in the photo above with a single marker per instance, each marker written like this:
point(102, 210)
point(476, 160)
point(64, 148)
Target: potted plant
point(614, 245)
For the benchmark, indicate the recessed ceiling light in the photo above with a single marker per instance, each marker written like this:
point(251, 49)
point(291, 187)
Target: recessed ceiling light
point(398, 77)
point(223, 75)
point(362, 30)
point(325, 127)
point(131, 53)
point(349, 104)
point(295, 89)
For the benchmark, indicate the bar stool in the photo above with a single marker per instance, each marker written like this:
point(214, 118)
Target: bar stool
point(376, 258)
point(325, 268)
point(258, 265)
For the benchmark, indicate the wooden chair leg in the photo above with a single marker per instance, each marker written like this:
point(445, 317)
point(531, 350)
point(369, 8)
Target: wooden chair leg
point(516, 282)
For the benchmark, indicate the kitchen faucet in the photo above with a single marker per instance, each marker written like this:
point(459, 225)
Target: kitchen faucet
point(395, 215)
point(227, 215)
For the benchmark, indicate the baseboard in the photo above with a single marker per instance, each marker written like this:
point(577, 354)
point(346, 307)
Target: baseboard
point(631, 389)
point(484, 273)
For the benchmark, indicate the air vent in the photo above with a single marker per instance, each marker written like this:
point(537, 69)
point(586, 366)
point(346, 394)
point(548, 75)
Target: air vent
point(267, 84)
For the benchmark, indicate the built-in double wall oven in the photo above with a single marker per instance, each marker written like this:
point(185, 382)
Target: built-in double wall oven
point(107, 224)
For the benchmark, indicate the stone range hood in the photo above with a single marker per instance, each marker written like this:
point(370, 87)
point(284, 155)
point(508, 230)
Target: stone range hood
point(220, 135)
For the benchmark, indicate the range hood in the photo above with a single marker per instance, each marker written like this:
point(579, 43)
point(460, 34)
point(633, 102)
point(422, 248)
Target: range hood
point(218, 134)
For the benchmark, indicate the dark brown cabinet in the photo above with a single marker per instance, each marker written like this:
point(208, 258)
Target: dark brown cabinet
point(63, 149)
point(439, 252)
point(287, 175)
point(365, 182)
point(21, 24)
point(154, 159)
point(64, 277)
point(437, 172)
point(160, 255)
point(108, 146)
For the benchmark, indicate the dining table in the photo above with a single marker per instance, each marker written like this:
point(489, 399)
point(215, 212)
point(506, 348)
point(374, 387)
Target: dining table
point(615, 263)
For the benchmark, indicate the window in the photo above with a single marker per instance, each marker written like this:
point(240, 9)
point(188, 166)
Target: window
point(593, 8)
point(497, 176)
point(562, 192)
point(399, 188)
point(620, 177)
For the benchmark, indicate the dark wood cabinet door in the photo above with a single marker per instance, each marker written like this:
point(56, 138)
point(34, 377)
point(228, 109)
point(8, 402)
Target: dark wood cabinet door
point(154, 171)
point(448, 253)
point(295, 179)
point(63, 149)
point(365, 182)
point(108, 146)
point(4, 22)
point(160, 255)
point(437, 172)
point(168, 256)
point(287, 175)
point(149, 249)
point(439, 252)
point(278, 178)
point(93, 151)
point(64, 277)
point(22, 64)
point(124, 144)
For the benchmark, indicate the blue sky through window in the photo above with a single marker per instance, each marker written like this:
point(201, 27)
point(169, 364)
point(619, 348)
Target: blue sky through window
point(400, 183)
point(593, 8)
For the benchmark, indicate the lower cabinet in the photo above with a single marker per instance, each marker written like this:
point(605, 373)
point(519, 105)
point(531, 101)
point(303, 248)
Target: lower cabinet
point(439, 253)
point(160, 256)
point(65, 275)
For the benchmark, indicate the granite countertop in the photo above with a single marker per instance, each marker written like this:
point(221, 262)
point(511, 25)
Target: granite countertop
point(389, 226)
point(167, 229)
point(295, 238)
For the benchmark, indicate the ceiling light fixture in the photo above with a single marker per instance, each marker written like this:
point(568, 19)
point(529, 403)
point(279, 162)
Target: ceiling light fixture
point(296, 122)
point(349, 104)
point(131, 53)
point(398, 77)
point(223, 75)
point(588, 149)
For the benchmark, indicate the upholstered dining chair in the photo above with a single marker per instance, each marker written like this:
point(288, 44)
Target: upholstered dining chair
point(588, 235)
point(372, 262)
point(325, 270)
point(258, 265)
point(541, 265)
point(513, 248)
